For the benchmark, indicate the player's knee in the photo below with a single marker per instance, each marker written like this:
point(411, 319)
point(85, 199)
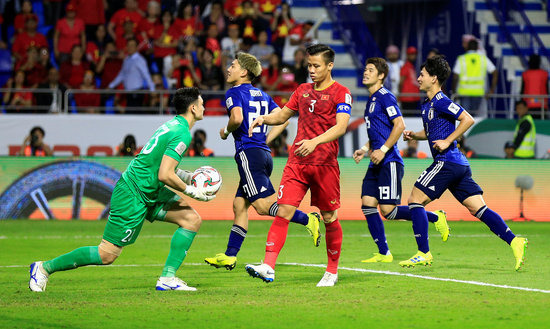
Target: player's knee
point(194, 219)
point(329, 217)
point(108, 252)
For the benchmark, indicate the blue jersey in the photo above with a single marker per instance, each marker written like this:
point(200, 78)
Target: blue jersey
point(439, 116)
point(254, 103)
point(381, 109)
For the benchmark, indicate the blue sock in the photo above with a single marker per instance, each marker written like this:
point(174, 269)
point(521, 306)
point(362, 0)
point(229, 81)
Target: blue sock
point(299, 217)
point(403, 212)
point(495, 223)
point(420, 226)
point(376, 228)
point(236, 238)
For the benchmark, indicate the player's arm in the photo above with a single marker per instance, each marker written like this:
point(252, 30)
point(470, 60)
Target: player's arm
point(419, 135)
point(272, 119)
point(307, 146)
point(235, 120)
point(167, 175)
point(277, 130)
point(465, 122)
point(398, 126)
point(360, 153)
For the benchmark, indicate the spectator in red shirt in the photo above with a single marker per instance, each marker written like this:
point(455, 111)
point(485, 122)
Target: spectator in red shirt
point(72, 71)
point(187, 23)
point(34, 71)
point(232, 9)
point(88, 102)
point(109, 64)
point(281, 24)
point(271, 76)
point(147, 26)
point(213, 44)
point(96, 46)
point(184, 71)
point(143, 5)
point(27, 39)
point(69, 31)
point(92, 12)
point(534, 81)
point(17, 100)
point(128, 13)
point(408, 83)
point(249, 22)
point(166, 40)
point(26, 11)
point(127, 34)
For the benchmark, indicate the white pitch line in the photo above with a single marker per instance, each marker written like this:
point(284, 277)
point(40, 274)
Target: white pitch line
point(362, 270)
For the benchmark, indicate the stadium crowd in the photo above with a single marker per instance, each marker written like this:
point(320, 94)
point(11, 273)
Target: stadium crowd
point(158, 45)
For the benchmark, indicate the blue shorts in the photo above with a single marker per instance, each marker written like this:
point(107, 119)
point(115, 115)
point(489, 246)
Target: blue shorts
point(383, 182)
point(255, 166)
point(442, 175)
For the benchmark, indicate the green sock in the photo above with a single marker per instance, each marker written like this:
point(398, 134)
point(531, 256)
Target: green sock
point(181, 242)
point(79, 257)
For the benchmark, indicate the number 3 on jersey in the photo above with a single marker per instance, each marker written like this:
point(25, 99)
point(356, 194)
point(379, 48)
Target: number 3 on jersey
point(258, 106)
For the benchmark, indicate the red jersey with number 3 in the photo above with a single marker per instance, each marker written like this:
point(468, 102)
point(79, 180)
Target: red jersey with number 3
point(317, 113)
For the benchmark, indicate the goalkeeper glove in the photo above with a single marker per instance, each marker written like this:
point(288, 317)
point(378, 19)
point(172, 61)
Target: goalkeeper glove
point(197, 193)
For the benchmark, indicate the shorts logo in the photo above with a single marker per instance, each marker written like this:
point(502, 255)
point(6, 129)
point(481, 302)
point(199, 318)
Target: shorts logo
point(325, 97)
point(306, 95)
point(431, 114)
point(333, 201)
point(229, 102)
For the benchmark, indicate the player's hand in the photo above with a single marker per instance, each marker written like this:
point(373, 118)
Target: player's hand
point(197, 193)
point(223, 135)
point(185, 175)
point(377, 156)
point(408, 135)
point(257, 122)
point(441, 145)
point(306, 147)
point(358, 155)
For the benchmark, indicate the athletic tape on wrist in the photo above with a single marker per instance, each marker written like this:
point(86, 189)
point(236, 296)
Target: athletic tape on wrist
point(384, 148)
point(364, 148)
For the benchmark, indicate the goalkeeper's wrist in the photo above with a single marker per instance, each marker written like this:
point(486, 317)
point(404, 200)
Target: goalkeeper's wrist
point(384, 149)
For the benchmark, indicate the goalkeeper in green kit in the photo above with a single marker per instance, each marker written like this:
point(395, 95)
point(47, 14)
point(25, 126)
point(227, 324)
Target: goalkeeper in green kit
point(141, 193)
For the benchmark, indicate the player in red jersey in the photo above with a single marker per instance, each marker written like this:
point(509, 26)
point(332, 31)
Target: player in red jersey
point(324, 108)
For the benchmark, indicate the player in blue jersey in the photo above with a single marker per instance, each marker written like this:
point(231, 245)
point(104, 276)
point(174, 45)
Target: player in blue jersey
point(450, 169)
point(245, 103)
point(382, 182)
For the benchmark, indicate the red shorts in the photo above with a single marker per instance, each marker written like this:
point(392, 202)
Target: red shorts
point(323, 181)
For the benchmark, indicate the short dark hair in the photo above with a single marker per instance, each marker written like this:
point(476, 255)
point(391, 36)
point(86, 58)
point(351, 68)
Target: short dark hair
point(534, 62)
point(522, 102)
point(326, 51)
point(184, 97)
point(439, 67)
point(380, 65)
point(38, 128)
point(472, 44)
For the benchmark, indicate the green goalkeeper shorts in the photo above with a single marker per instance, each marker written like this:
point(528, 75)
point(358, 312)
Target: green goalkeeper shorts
point(128, 213)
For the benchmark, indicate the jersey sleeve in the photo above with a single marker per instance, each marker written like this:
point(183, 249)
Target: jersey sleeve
point(448, 107)
point(177, 146)
point(391, 108)
point(232, 100)
point(343, 101)
point(293, 101)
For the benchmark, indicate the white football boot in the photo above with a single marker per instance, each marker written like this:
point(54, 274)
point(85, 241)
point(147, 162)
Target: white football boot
point(173, 283)
point(262, 271)
point(38, 279)
point(328, 280)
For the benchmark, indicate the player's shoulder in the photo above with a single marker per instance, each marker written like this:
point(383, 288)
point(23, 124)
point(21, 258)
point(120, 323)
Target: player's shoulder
point(386, 95)
point(340, 88)
point(342, 93)
point(441, 100)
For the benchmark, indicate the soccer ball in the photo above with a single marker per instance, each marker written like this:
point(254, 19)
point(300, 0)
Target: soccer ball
point(208, 179)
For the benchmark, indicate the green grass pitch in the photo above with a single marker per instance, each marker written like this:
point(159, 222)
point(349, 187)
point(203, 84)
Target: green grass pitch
point(123, 295)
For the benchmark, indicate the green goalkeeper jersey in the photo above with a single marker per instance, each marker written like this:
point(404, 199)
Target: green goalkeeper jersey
point(171, 139)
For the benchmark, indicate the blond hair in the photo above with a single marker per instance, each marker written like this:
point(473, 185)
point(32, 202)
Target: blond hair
point(249, 63)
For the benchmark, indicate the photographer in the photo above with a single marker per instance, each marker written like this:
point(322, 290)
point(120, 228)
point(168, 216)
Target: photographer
point(197, 147)
point(33, 145)
point(128, 147)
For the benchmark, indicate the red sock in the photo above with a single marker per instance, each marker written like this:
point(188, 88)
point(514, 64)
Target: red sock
point(276, 238)
point(334, 245)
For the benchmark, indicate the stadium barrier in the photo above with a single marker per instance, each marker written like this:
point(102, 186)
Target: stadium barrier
point(80, 187)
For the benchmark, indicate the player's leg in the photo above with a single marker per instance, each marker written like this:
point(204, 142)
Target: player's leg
point(189, 222)
point(125, 221)
point(478, 208)
point(333, 237)
point(236, 236)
